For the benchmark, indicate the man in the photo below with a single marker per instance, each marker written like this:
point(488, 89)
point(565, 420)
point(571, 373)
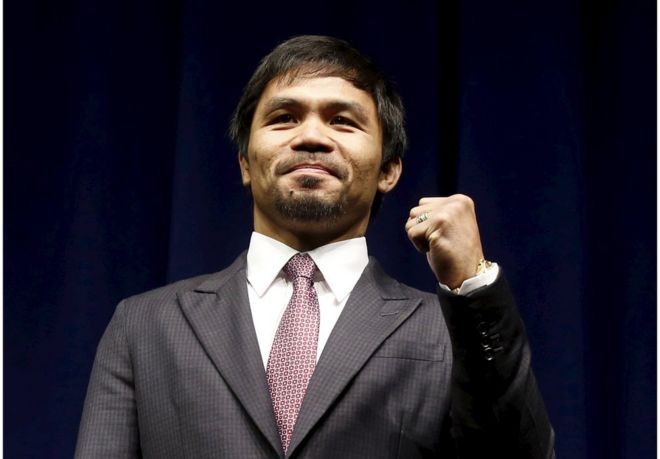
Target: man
point(303, 347)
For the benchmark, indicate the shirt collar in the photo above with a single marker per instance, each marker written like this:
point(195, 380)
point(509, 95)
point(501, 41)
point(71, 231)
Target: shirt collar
point(340, 263)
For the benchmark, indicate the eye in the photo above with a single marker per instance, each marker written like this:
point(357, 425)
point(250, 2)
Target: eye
point(342, 120)
point(284, 118)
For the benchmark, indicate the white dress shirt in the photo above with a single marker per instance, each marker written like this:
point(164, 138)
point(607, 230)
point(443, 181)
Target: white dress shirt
point(340, 265)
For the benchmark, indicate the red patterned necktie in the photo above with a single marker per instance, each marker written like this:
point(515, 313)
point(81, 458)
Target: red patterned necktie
point(293, 355)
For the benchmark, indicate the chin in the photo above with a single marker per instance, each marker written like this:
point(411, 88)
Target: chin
point(309, 207)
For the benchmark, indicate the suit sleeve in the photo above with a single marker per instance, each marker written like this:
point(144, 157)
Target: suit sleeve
point(109, 426)
point(497, 409)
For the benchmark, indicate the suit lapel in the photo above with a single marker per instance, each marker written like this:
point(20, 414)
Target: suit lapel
point(219, 313)
point(375, 308)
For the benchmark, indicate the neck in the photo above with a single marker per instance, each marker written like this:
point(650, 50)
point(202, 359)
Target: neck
point(306, 236)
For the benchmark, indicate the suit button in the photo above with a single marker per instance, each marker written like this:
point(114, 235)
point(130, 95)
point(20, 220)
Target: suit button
point(490, 344)
point(482, 328)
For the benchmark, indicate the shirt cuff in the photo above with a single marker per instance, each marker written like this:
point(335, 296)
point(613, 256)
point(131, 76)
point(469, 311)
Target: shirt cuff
point(484, 279)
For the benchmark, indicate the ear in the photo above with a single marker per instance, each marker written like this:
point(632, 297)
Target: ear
point(245, 169)
point(389, 175)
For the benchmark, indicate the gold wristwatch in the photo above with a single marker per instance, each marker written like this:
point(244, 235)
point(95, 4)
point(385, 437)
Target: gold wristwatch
point(482, 266)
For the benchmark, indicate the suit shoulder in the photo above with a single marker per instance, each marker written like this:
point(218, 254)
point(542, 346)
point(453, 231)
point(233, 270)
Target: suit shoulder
point(169, 291)
point(393, 287)
point(167, 294)
point(417, 293)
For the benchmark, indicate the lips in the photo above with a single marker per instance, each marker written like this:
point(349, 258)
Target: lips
point(312, 166)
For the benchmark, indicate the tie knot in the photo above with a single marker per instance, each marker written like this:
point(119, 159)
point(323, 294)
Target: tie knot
point(300, 265)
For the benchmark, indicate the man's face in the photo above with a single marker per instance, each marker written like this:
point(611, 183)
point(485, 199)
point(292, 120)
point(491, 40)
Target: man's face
point(314, 157)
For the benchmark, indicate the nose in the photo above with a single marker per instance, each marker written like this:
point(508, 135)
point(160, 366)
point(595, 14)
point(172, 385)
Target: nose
point(312, 138)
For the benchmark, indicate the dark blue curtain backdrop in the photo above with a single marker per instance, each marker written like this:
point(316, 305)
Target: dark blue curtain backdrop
point(119, 177)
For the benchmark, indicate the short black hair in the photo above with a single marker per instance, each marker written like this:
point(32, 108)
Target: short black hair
point(321, 56)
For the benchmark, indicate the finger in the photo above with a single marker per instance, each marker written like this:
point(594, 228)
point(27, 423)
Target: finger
point(417, 215)
point(417, 233)
point(418, 240)
point(434, 228)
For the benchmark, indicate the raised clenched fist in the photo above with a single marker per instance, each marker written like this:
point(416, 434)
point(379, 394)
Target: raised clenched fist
point(446, 229)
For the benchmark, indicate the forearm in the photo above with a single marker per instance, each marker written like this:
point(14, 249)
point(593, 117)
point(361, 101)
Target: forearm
point(497, 409)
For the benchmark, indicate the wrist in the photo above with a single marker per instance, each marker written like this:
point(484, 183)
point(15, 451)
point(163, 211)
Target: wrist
point(482, 275)
point(482, 266)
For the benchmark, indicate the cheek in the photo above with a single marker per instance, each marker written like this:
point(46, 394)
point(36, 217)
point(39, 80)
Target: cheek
point(263, 150)
point(367, 164)
point(260, 162)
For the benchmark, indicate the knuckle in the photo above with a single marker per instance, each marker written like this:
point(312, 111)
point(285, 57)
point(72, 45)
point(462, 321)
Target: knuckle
point(437, 240)
point(464, 200)
point(440, 218)
point(434, 236)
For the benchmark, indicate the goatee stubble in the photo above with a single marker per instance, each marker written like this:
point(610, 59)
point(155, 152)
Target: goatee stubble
point(307, 207)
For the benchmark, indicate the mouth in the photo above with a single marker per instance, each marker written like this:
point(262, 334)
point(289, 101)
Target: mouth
point(325, 167)
point(311, 168)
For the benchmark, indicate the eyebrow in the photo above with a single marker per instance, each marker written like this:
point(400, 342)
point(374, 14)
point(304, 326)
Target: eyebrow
point(334, 105)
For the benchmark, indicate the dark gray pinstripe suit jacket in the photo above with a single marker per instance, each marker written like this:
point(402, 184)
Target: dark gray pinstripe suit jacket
point(178, 374)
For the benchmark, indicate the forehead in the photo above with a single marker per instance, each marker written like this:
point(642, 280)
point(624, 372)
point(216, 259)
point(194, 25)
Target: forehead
point(318, 91)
